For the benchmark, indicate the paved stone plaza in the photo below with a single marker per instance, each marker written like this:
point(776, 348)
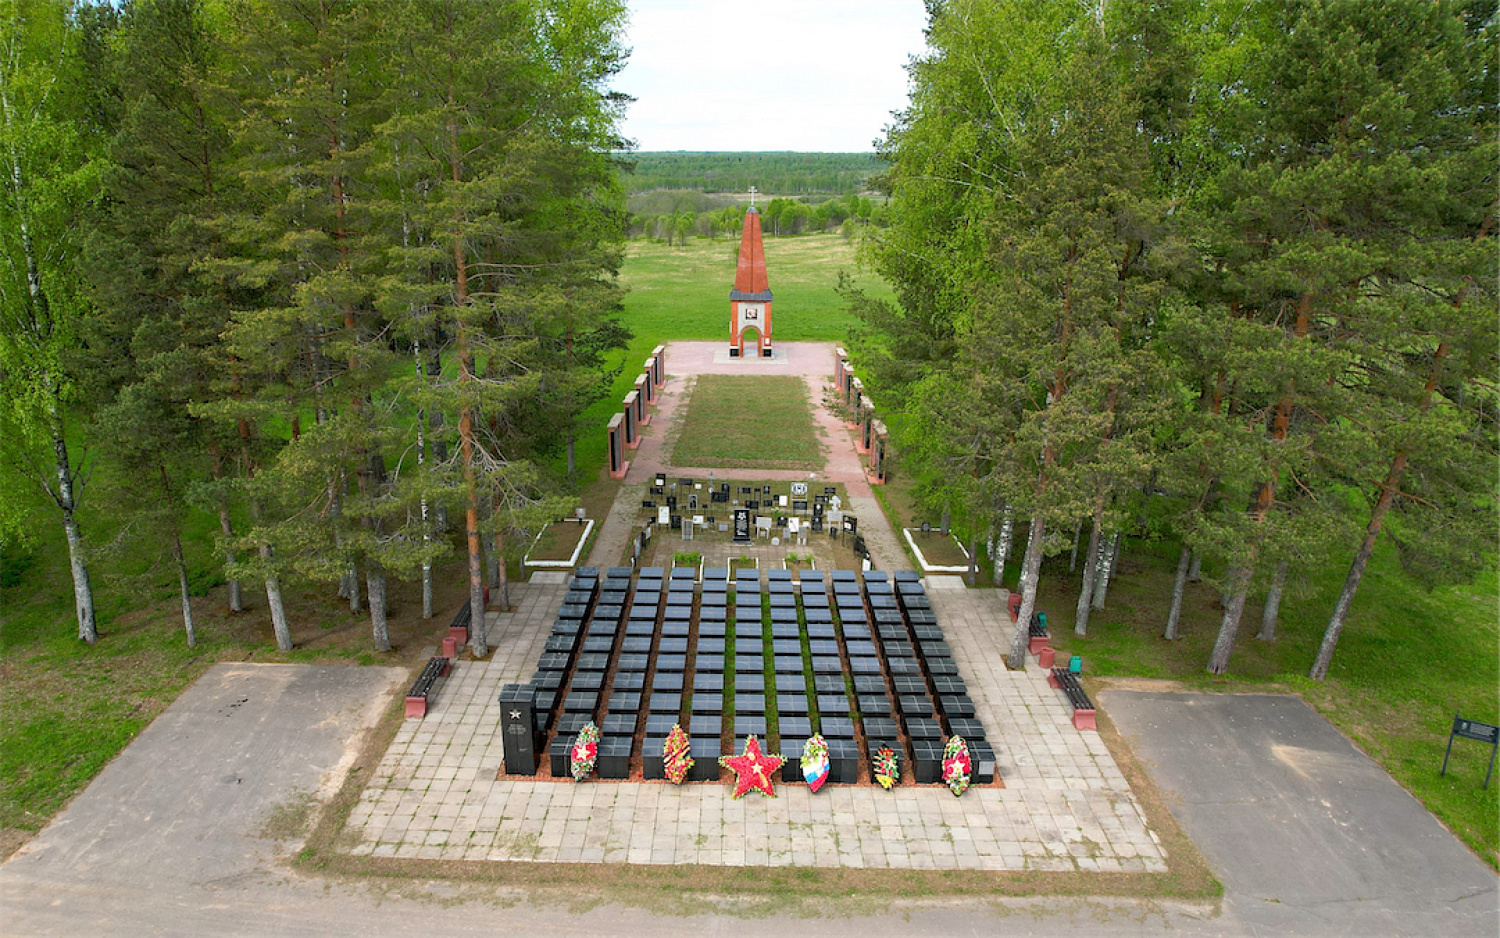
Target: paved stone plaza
point(1064, 806)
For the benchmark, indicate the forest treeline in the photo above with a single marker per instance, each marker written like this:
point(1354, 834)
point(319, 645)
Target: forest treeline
point(1218, 272)
point(789, 174)
point(339, 274)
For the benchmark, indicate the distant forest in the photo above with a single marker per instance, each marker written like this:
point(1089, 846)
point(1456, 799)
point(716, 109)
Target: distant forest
point(790, 174)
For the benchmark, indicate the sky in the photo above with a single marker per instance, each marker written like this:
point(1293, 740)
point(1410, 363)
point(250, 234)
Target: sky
point(804, 75)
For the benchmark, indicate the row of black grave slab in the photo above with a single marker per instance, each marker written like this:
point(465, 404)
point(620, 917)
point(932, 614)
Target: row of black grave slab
point(861, 660)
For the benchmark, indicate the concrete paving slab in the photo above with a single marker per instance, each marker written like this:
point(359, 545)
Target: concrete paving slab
point(1308, 834)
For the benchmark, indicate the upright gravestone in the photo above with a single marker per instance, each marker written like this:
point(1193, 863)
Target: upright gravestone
point(642, 398)
point(632, 435)
point(517, 727)
point(741, 525)
point(618, 464)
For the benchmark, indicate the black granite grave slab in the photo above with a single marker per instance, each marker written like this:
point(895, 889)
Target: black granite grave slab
point(923, 728)
point(828, 683)
point(633, 662)
point(817, 616)
point(660, 724)
point(672, 646)
point(936, 649)
point(573, 612)
point(786, 646)
point(827, 664)
point(621, 701)
point(708, 724)
point(749, 703)
point(942, 666)
point(612, 597)
point(794, 704)
point(880, 727)
point(675, 629)
point(783, 616)
point(869, 684)
point(924, 619)
point(823, 646)
point(892, 633)
point(874, 705)
point(677, 614)
point(578, 597)
point(548, 680)
point(746, 724)
point(967, 727)
point(864, 665)
point(635, 645)
point(713, 609)
point(860, 648)
point(908, 684)
point(982, 761)
point(660, 702)
point(814, 600)
point(837, 727)
point(653, 763)
point(641, 629)
point(631, 680)
point(787, 664)
point(821, 630)
point(564, 627)
point(833, 704)
point(580, 701)
point(588, 680)
point(899, 667)
point(669, 682)
point(708, 702)
point(560, 644)
point(708, 681)
point(899, 649)
point(544, 700)
point(927, 761)
point(671, 662)
point(750, 682)
point(593, 662)
point(797, 727)
point(843, 760)
point(914, 705)
point(571, 724)
point(956, 706)
point(787, 631)
point(613, 761)
point(791, 754)
point(854, 632)
point(553, 661)
point(560, 755)
point(712, 629)
point(618, 724)
point(752, 664)
point(747, 646)
point(642, 612)
point(783, 598)
point(791, 683)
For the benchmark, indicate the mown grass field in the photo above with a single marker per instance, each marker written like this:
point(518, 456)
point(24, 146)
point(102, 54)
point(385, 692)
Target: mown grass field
point(750, 422)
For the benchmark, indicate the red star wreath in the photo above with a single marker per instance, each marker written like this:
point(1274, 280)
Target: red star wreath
point(753, 770)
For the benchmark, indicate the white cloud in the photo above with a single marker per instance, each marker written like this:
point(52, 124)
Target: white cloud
point(815, 75)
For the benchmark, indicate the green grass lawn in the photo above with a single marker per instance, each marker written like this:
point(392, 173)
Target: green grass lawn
point(750, 422)
point(682, 293)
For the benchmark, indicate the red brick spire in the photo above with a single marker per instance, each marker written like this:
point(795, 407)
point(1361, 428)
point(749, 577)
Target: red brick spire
point(750, 276)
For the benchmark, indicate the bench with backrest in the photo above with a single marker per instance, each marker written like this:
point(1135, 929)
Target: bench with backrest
point(1040, 638)
point(1083, 708)
point(423, 687)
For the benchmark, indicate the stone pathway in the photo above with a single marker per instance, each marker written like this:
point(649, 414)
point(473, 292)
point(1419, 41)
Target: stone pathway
point(813, 362)
point(1065, 804)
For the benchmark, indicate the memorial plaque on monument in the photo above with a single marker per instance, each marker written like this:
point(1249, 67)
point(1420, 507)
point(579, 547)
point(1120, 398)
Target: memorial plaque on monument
point(851, 524)
point(517, 726)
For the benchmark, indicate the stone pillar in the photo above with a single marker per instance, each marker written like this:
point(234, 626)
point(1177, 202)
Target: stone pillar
point(877, 452)
point(632, 434)
point(518, 728)
point(840, 362)
point(854, 399)
point(642, 398)
point(659, 370)
point(618, 465)
point(866, 425)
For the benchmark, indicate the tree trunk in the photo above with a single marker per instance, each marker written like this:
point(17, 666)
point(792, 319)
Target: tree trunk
point(1031, 569)
point(1179, 586)
point(972, 576)
point(1073, 557)
point(1107, 551)
point(572, 457)
point(1195, 569)
point(1357, 569)
point(352, 579)
point(1090, 574)
point(273, 600)
point(1272, 609)
point(426, 590)
point(236, 598)
point(375, 578)
point(1007, 532)
point(1234, 608)
point(182, 583)
point(83, 590)
point(944, 522)
point(502, 575)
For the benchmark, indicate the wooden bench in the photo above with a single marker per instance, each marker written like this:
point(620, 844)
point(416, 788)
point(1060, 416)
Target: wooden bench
point(421, 689)
point(458, 629)
point(1038, 633)
point(1083, 708)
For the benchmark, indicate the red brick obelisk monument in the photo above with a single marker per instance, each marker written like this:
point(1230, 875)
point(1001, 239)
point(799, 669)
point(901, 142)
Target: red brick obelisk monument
point(750, 300)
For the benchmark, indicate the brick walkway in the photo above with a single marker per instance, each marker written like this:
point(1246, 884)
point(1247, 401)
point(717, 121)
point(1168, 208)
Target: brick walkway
point(1065, 804)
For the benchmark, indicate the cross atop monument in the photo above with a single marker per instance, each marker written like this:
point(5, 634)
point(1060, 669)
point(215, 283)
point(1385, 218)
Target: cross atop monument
point(752, 197)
